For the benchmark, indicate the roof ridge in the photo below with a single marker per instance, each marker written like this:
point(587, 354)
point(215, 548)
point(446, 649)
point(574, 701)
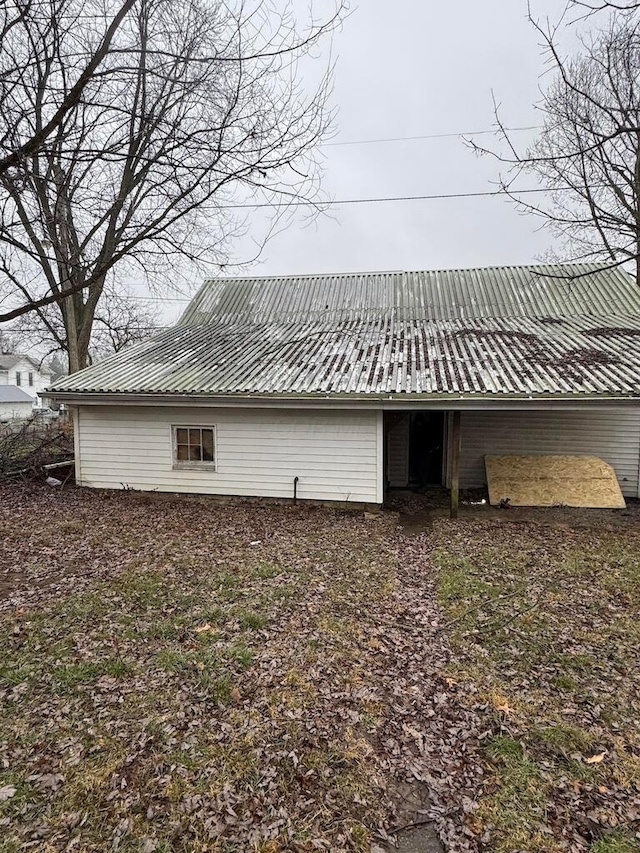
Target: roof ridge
point(349, 273)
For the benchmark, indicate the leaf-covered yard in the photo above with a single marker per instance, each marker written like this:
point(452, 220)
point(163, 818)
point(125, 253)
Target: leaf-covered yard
point(544, 620)
point(182, 675)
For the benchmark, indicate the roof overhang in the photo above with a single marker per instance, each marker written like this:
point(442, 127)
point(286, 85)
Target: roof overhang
point(441, 402)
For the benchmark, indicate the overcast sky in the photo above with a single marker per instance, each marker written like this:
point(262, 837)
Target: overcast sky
point(410, 68)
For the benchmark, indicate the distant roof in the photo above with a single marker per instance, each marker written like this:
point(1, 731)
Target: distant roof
point(13, 394)
point(518, 291)
point(576, 357)
point(9, 360)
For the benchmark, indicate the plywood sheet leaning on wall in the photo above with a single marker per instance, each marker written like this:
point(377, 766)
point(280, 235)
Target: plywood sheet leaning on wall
point(581, 481)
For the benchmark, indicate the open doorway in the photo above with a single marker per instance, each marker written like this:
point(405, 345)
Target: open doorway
point(414, 445)
point(426, 439)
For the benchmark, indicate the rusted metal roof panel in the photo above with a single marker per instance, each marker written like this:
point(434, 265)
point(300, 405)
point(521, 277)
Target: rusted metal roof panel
point(518, 291)
point(576, 356)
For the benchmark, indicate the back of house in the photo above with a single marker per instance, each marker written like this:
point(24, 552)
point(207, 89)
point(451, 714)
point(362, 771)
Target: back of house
point(340, 387)
point(26, 373)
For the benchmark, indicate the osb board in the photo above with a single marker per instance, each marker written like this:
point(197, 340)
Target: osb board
point(581, 481)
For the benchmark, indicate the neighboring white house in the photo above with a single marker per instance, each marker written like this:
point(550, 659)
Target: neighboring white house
point(15, 404)
point(341, 387)
point(26, 373)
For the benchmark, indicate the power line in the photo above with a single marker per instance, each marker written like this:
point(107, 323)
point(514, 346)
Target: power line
point(458, 135)
point(436, 196)
point(378, 200)
point(485, 194)
point(39, 330)
point(351, 201)
point(163, 298)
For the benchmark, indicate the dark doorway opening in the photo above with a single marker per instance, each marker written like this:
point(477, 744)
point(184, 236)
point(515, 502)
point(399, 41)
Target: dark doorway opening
point(426, 440)
point(414, 448)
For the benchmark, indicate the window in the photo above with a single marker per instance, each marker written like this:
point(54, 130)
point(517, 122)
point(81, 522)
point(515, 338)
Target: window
point(194, 447)
point(30, 380)
point(18, 378)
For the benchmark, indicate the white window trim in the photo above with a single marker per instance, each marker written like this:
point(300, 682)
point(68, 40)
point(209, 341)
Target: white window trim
point(185, 464)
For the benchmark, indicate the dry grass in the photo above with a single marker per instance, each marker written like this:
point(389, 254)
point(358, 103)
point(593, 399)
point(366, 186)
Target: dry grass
point(545, 623)
point(166, 704)
point(184, 676)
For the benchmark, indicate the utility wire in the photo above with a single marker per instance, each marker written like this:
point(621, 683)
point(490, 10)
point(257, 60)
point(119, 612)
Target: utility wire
point(458, 135)
point(378, 200)
point(350, 201)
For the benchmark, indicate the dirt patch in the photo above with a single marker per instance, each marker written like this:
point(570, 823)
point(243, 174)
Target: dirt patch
point(10, 580)
point(417, 513)
point(414, 832)
point(418, 839)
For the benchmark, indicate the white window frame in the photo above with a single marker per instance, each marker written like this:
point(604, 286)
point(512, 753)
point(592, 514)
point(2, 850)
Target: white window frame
point(193, 464)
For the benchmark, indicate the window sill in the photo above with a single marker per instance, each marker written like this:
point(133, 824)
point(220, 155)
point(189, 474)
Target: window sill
point(194, 466)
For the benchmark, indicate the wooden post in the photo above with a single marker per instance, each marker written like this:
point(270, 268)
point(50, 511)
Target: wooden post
point(455, 464)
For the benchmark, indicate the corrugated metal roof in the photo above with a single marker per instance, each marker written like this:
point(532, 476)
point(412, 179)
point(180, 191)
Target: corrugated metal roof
point(519, 291)
point(13, 394)
point(576, 356)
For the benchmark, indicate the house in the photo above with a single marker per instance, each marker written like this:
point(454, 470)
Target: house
point(26, 373)
point(15, 404)
point(337, 387)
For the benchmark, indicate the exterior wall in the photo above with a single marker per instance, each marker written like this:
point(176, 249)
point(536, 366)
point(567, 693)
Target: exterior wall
point(15, 411)
point(613, 435)
point(398, 453)
point(337, 455)
point(24, 368)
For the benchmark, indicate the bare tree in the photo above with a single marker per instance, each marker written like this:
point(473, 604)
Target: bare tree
point(120, 319)
point(195, 102)
point(591, 6)
point(8, 342)
point(587, 154)
point(41, 20)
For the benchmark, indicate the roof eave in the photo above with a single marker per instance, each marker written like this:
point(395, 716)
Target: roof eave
point(442, 401)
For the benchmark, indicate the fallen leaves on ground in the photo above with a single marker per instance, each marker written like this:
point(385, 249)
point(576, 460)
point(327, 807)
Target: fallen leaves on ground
point(544, 619)
point(183, 675)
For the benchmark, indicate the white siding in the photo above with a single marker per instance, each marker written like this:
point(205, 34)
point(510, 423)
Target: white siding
point(335, 454)
point(398, 453)
point(24, 368)
point(613, 436)
point(16, 411)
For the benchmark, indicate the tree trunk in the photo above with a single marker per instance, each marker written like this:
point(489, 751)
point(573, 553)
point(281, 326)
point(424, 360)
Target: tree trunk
point(71, 325)
point(79, 316)
point(636, 175)
point(87, 320)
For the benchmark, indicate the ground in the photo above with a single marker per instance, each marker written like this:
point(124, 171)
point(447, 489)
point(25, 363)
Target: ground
point(184, 675)
point(544, 620)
